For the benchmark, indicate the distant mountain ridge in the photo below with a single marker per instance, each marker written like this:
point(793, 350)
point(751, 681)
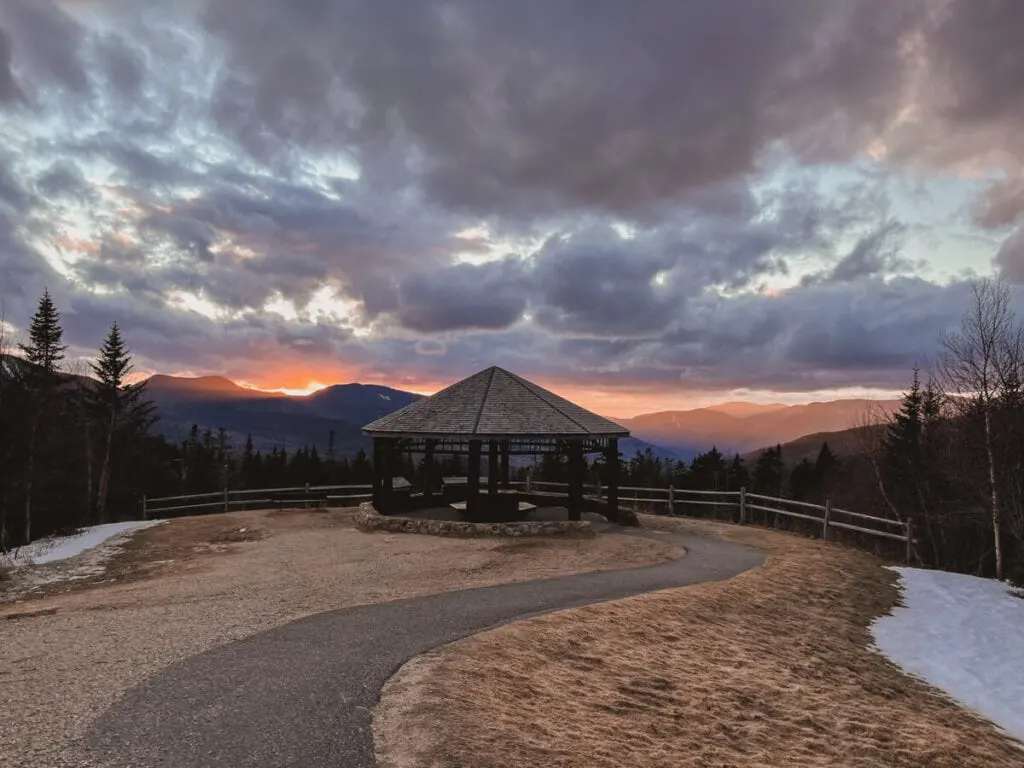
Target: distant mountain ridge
point(272, 418)
point(290, 421)
point(736, 429)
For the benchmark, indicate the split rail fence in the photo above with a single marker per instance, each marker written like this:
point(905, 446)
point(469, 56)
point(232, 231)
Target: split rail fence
point(738, 506)
point(751, 508)
point(228, 500)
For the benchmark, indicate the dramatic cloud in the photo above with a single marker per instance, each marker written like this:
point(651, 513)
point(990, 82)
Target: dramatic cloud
point(668, 197)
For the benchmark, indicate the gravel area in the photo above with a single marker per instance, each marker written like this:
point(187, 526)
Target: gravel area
point(195, 583)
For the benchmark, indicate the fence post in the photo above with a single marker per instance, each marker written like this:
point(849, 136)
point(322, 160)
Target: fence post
point(528, 476)
point(671, 499)
point(144, 510)
point(828, 512)
point(225, 498)
point(910, 541)
point(743, 506)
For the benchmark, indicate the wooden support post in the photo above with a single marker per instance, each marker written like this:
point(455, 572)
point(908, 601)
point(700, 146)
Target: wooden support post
point(378, 501)
point(226, 504)
point(612, 463)
point(505, 470)
point(473, 476)
point(492, 468)
point(575, 480)
point(145, 512)
point(910, 541)
point(828, 514)
point(428, 469)
point(743, 506)
point(671, 499)
point(387, 484)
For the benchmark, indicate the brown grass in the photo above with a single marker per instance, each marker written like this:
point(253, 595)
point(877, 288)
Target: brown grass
point(771, 668)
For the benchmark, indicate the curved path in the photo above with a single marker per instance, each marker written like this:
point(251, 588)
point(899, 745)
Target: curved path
point(301, 694)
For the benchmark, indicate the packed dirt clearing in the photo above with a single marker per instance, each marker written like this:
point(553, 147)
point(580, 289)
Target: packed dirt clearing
point(771, 668)
point(190, 584)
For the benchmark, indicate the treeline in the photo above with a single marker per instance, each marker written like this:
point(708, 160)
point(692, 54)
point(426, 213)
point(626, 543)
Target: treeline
point(73, 449)
point(811, 481)
point(951, 460)
point(78, 447)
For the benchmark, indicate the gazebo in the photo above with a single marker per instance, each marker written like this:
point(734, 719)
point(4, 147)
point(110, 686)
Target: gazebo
point(498, 414)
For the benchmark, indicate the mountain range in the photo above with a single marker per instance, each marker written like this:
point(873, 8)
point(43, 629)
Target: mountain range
point(744, 427)
point(292, 421)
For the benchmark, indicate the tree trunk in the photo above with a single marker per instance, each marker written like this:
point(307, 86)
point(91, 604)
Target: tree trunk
point(88, 467)
point(994, 492)
point(101, 492)
point(29, 472)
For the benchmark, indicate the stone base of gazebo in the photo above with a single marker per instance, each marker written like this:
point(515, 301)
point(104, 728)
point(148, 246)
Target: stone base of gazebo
point(369, 519)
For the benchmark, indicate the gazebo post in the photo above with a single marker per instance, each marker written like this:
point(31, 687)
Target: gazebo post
point(473, 476)
point(492, 468)
point(387, 480)
point(377, 475)
point(506, 447)
point(575, 479)
point(428, 469)
point(611, 461)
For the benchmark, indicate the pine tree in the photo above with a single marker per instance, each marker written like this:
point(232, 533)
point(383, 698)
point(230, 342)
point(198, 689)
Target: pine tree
point(826, 467)
point(769, 472)
point(45, 351)
point(45, 334)
point(119, 406)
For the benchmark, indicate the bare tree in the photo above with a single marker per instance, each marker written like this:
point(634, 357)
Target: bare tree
point(980, 359)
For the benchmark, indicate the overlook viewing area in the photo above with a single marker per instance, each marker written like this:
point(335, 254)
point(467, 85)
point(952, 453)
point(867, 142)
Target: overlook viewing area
point(498, 415)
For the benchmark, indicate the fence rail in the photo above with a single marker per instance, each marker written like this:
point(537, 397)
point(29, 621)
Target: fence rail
point(228, 500)
point(672, 500)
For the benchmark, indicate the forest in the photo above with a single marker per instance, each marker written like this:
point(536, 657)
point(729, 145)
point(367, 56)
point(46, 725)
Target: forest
point(80, 447)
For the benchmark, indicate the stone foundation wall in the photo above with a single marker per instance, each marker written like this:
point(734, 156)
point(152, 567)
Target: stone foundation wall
point(369, 519)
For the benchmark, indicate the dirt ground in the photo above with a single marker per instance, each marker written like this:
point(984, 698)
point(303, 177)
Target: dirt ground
point(185, 586)
point(771, 668)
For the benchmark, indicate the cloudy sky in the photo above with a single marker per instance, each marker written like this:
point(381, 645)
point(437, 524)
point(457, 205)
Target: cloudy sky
point(645, 205)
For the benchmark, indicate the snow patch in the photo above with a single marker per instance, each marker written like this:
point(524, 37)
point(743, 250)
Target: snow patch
point(51, 549)
point(384, 397)
point(961, 634)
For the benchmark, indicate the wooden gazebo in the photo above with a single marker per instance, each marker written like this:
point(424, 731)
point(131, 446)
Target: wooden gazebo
point(500, 415)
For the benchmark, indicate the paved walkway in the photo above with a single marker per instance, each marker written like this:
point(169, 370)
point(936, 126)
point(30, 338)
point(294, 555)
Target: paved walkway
point(301, 694)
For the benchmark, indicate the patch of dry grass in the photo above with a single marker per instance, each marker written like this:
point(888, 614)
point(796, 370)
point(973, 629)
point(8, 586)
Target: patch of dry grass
point(771, 668)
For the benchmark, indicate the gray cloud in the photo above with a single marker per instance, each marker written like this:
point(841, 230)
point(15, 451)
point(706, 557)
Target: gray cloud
point(48, 42)
point(709, 127)
point(634, 108)
point(464, 296)
point(9, 90)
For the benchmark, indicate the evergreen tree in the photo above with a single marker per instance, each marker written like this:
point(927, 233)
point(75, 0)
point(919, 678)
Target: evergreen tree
point(45, 351)
point(737, 476)
point(803, 480)
point(707, 470)
point(119, 407)
point(45, 348)
point(826, 468)
point(769, 472)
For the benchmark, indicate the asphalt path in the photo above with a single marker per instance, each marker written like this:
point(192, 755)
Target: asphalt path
point(302, 694)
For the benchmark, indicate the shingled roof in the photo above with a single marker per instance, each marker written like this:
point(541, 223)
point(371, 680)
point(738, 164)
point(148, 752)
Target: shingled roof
point(494, 403)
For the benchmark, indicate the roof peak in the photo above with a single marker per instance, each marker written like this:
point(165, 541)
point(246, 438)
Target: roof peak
point(488, 405)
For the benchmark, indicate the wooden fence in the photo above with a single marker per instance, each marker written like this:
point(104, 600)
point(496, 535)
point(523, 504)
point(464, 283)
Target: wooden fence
point(739, 506)
point(228, 500)
point(743, 507)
